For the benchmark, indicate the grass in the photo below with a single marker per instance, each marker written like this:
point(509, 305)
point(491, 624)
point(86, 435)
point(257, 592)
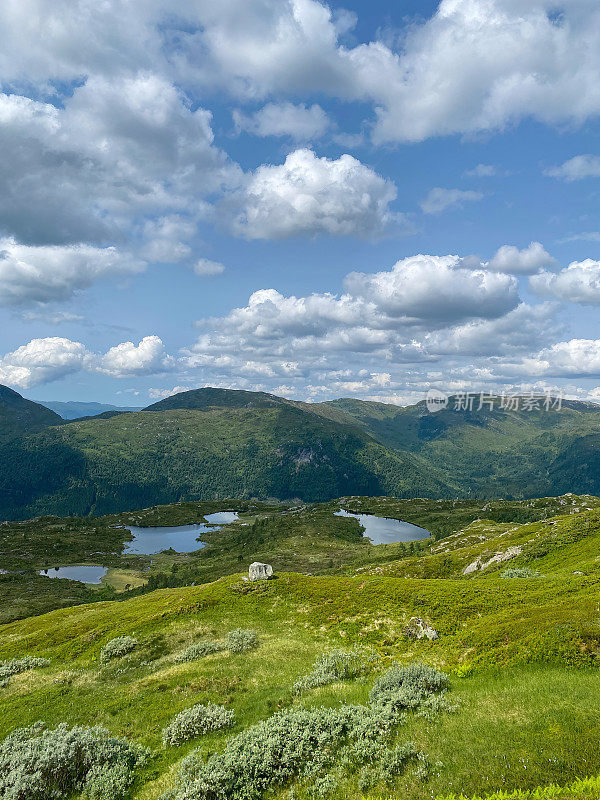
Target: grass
point(533, 712)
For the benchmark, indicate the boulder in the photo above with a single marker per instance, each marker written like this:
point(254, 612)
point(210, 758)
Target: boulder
point(259, 571)
point(417, 628)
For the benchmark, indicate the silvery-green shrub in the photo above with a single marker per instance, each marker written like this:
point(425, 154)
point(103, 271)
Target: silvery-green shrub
point(240, 640)
point(336, 665)
point(196, 651)
point(15, 666)
point(41, 764)
point(314, 744)
point(195, 721)
point(115, 648)
point(520, 572)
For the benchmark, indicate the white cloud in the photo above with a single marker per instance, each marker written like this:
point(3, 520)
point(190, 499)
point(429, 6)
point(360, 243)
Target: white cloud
point(167, 239)
point(577, 283)
point(436, 288)
point(310, 195)
point(521, 262)
point(118, 151)
point(575, 358)
point(439, 199)
point(43, 360)
point(45, 273)
point(206, 268)
point(474, 65)
point(300, 122)
point(482, 171)
point(126, 359)
point(577, 168)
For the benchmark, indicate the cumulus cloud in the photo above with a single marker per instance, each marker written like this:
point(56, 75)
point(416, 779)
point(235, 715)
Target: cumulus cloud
point(521, 262)
point(52, 358)
point(310, 195)
point(439, 199)
point(577, 168)
point(43, 360)
point(577, 283)
point(436, 288)
point(45, 273)
point(474, 65)
point(167, 239)
point(300, 122)
point(118, 150)
point(126, 359)
point(575, 358)
point(206, 268)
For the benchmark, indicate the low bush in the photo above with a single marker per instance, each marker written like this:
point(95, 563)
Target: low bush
point(520, 572)
point(199, 650)
point(241, 640)
point(115, 648)
point(337, 665)
point(41, 764)
point(15, 666)
point(195, 721)
point(315, 745)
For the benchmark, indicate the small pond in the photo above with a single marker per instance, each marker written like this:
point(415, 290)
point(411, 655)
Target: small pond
point(77, 573)
point(181, 538)
point(383, 530)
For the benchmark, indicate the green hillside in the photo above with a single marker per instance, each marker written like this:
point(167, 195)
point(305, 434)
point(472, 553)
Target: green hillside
point(137, 459)
point(20, 417)
point(211, 444)
point(521, 654)
point(490, 453)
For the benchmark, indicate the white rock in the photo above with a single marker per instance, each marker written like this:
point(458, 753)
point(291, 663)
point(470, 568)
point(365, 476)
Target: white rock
point(417, 628)
point(259, 571)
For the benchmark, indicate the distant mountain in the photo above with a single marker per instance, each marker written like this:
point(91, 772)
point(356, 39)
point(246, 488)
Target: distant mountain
point(218, 443)
point(75, 409)
point(20, 417)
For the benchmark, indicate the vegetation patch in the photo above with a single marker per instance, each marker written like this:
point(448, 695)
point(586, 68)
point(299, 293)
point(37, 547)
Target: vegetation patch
point(195, 721)
point(15, 666)
point(336, 665)
point(45, 764)
point(199, 650)
point(241, 640)
point(117, 647)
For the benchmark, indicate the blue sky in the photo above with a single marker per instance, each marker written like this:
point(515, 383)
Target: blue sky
point(313, 199)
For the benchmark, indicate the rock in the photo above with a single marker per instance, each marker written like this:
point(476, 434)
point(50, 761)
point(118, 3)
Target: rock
point(259, 571)
point(417, 628)
point(498, 558)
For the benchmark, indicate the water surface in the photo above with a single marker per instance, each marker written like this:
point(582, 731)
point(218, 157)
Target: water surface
point(181, 538)
point(384, 530)
point(76, 573)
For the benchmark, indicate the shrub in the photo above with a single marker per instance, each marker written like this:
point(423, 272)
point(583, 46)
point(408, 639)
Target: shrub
point(240, 640)
point(314, 745)
point(48, 764)
point(117, 647)
point(196, 721)
point(520, 572)
point(337, 665)
point(199, 650)
point(15, 666)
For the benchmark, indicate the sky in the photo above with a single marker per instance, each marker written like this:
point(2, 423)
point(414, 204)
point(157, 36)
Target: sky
point(316, 200)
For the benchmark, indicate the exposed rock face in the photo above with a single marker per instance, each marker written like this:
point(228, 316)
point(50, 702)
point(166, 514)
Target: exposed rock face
point(498, 558)
point(259, 571)
point(417, 628)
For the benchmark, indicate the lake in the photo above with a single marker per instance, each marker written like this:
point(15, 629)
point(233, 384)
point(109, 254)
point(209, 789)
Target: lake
point(181, 538)
point(383, 530)
point(77, 573)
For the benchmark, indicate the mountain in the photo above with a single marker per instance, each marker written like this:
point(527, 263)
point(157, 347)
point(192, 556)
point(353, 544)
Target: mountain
point(20, 417)
point(75, 409)
point(219, 445)
point(489, 452)
point(210, 444)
